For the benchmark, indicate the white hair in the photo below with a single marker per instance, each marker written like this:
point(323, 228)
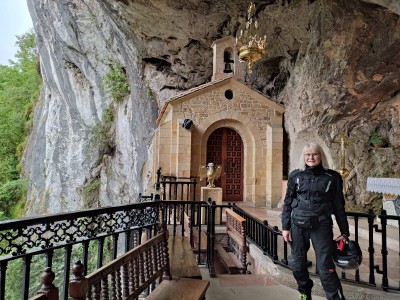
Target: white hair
point(317, 148)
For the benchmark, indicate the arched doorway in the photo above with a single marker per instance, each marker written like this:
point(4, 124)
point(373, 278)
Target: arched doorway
point(225, 148)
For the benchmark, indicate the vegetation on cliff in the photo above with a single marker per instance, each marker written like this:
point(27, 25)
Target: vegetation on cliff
point(19, 90)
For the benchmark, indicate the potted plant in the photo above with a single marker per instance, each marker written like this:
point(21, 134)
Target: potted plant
point(375, 139)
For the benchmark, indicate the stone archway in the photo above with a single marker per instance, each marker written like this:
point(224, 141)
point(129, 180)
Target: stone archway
point(199, 149)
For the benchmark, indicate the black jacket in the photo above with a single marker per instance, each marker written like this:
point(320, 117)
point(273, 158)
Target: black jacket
point(316, 190)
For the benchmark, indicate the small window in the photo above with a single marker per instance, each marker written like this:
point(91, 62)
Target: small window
point(229, 94)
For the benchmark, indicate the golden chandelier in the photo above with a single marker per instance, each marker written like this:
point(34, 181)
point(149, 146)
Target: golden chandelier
point(252, 46)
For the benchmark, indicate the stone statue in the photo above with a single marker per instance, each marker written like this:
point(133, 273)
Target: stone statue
point(211, 172)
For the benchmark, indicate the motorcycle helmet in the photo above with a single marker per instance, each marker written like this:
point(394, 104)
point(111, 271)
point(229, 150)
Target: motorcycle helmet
point(348, 255)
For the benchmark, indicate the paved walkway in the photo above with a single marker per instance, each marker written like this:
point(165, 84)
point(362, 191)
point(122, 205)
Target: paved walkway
point(280, 284)
point(265, 286)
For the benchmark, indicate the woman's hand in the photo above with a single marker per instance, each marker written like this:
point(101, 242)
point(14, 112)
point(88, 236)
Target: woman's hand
point(341, 238)
point(287, 236)
point(341, 242)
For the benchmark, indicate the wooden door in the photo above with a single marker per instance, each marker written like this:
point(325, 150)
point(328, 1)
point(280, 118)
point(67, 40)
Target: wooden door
point(225, 148)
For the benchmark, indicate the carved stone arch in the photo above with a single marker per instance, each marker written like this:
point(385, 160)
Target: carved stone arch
point(250, 136)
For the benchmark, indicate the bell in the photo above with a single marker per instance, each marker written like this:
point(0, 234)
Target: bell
point(228, 68)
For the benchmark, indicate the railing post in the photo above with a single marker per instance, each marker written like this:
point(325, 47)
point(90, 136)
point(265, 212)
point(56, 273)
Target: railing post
point(211, 237)
point(115, 246)
point(128, 236)
point(161, 212)
point(100, 251)
point(79, 286)
point(384, 251)
point(48, 289)
point(3, 269)
point(194, 189)
point(49, 258)
point(175, 191)
point(167, 273)
point(285, 254)
point(357, 275)
point(264, 239)
point(275, 243)
point(164, 190)
point(157, 185)
point(371, 250)
point(26, 272)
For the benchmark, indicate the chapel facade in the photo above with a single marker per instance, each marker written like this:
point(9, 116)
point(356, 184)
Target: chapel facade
point(229, 123)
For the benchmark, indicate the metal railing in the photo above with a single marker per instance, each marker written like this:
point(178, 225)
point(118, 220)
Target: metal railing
point(115, 230)
point(112, 231)
point(176, 188)
point(35, 241)
point(265, 237)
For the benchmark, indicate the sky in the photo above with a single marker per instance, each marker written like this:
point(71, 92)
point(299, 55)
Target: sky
point(14, 20)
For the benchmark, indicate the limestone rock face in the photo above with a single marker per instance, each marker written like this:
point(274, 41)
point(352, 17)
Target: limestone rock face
point(334, 65)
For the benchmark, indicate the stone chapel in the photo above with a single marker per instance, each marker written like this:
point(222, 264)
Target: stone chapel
point(229, 123)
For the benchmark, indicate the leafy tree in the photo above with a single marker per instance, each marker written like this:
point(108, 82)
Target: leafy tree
point(19, 89)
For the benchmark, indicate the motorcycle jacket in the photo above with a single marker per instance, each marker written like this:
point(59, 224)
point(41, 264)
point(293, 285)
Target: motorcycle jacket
point(315, 190)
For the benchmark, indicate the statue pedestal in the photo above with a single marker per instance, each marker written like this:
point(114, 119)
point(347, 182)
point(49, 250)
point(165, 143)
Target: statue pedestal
point(390, 188)
point(216, 195)
point(391, 203)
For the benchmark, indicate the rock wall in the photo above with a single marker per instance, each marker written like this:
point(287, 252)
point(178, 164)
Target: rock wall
point(334, 64)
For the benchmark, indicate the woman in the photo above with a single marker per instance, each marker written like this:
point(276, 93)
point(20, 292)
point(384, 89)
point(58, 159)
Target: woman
point(313, 194)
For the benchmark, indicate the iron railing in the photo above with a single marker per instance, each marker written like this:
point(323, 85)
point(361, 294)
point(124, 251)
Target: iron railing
point(115, 230)
point(33, 238)
point(176, 188)
point(265, 237)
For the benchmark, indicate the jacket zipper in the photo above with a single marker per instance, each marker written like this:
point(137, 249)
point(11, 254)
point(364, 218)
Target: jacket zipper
point(309, 198)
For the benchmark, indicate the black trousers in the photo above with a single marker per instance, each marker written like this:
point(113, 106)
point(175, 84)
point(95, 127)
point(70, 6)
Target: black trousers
point(322, 241)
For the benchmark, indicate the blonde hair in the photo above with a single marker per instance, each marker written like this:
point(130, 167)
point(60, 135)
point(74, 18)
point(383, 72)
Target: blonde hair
point(317, 148)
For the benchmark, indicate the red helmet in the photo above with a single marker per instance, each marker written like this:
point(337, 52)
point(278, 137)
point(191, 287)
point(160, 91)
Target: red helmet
point(348, 255)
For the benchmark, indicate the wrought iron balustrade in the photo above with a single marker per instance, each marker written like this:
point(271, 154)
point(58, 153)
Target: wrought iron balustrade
point(26, 239)
point(124, 226)
point(266, 238)
point(31, 237)
point(176, 188)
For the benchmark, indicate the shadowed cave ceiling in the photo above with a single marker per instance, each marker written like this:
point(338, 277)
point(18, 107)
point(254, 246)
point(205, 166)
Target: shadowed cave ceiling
point(334, 65)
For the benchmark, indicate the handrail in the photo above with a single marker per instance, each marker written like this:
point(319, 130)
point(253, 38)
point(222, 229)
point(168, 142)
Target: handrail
point(176, 188)
point(19, 235)
point(28, 237)
point(104, 279)
point(265, 237)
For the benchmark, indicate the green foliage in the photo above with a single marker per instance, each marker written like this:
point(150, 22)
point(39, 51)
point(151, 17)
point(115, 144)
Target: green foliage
point(116, 83)
point(14, 279)
point(2, 216)
point(27, 51)
point(108, 117)
point(77, 253)
point(100, 134)
point(91, 192)
point(19, 89)
point(10, 192)
point(149, 92)
point(375, 139)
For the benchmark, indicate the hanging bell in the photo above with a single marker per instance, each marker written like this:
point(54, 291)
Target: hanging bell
point(228, 68)
point(227, 61)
